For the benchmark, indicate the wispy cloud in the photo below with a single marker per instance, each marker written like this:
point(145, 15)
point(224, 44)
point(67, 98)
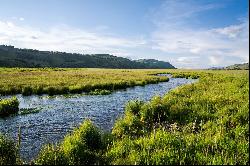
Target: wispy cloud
point(177, 34)
point(233, 31)
point(186, 61)
point(21, 19)
point(17, 18)
point(65, 38)
point(178, 12)
point(201, 47)
point(217, 41)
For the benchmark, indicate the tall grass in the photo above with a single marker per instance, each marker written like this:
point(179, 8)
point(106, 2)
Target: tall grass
point(83, 146)
point(28, 81)
point(204, 123)
point(8, 106)
point(8, 151)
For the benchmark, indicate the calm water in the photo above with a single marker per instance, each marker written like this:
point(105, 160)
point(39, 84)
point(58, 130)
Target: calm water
point(59, 114)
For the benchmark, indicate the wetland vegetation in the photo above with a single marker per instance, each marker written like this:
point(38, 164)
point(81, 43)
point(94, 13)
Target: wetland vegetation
point(8, 106)
point(52, 81)
point(206, 122)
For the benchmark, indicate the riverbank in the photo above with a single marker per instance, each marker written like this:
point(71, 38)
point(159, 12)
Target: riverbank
point(59, 115)
point(201, 123)
point(54, 81)
point(205, 123)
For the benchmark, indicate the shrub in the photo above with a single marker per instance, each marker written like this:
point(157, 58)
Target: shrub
point(9, 106)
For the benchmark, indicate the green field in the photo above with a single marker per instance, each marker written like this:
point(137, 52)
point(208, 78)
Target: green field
point(62, 81)
point(202, 123)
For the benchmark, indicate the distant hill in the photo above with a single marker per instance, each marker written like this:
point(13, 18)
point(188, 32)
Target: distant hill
point(152, 63)
point(216, 68)
point(244, 66)
point(15, 57)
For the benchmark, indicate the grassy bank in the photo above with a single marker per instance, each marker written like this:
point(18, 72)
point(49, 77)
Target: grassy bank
point(28, 81)
point(84, 146)
point(202, 123)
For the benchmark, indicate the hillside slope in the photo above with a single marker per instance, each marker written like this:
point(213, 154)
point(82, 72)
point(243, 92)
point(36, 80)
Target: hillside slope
point(244, 66)
point(15, 57)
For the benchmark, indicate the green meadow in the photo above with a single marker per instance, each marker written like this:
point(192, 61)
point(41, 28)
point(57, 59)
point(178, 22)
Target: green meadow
point(204, 123)
point(52, 81)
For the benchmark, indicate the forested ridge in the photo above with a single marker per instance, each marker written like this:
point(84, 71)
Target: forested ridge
point(16, 57)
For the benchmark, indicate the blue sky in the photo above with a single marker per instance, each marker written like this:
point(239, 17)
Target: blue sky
point(187, 33)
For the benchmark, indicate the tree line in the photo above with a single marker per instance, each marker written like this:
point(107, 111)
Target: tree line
point(16, 57)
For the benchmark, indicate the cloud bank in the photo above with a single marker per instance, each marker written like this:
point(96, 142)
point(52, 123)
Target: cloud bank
point(198, 47)
point(174, 37)
point(65, 38)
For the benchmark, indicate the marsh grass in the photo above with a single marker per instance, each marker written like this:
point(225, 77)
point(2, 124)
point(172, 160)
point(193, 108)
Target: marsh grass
point(24, 111)
point(204, 123)
point(83, 146)
point(8, 151)
point(28, 81)
point(100, 92)
point(8, 106)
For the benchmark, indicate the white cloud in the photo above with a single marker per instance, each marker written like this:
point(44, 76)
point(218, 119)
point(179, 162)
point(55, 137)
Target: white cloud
point(17, 18)
point(65, 38)
point(174, 38)
point(231, 31)
point(10, 24)
point(203, 41)
point(215, 46)
point(186, 60)
point(215, 60)
point(21, 19)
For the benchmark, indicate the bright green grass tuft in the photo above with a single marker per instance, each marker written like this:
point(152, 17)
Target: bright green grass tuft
point(8, 106)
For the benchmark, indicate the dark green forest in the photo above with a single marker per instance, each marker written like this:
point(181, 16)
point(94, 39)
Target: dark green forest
point(16, 57)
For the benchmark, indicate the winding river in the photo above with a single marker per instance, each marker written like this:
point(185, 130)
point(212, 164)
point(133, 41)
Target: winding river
point(58, 115)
